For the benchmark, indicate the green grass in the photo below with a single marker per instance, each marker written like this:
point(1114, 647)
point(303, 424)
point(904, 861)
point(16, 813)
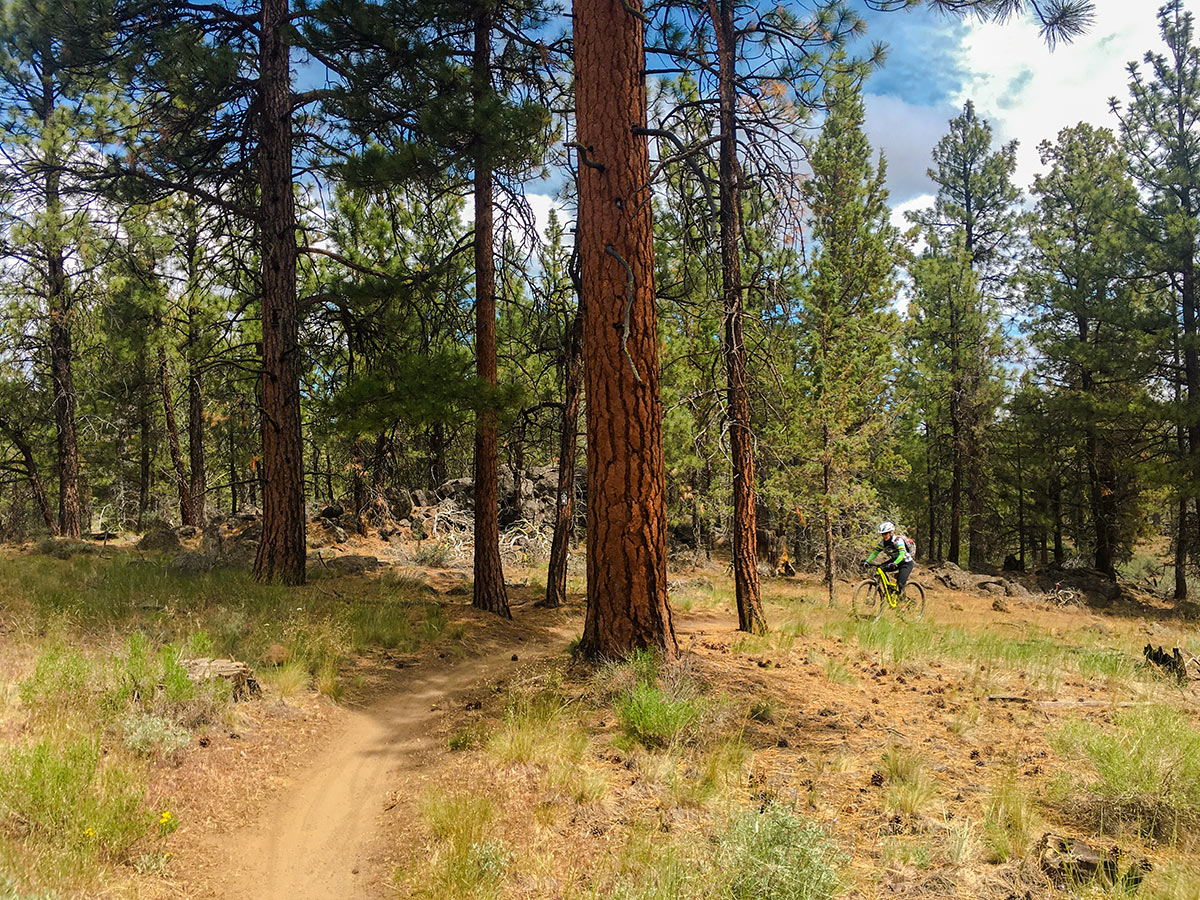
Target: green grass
point(466, 862)
point(1008, 822)
point(649, 716)
point(1146, 770)
point(1043, 657)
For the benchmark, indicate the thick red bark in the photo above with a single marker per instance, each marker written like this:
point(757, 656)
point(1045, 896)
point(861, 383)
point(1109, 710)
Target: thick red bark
point(490, 592)
point(281, 554)
point(627, 524)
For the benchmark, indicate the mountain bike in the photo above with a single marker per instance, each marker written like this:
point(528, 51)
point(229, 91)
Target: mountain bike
point(873, 595)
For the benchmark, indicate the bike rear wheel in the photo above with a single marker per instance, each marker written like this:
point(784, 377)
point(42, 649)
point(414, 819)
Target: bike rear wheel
point(867, 602)
point(911, 604)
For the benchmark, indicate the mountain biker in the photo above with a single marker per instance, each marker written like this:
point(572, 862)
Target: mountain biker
point(896, 548)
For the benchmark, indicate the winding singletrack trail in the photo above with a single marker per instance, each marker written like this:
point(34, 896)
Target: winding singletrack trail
point(321, 838)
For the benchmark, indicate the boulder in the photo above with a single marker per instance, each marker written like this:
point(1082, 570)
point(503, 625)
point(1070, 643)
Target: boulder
point(422, 497)
point(1000, 605)
point(460, 490)
point(248, 513)
point(1012, 564)
point(401, 503)
point(333, 531)
point(187, 531)
point(191, 563)
point(160, 539)
point(333, 511)
point(1016, 589)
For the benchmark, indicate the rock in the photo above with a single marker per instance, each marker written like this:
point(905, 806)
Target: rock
point(460, 490)
point(1012, 564)
point(160, 539)
point(1000, 605)
point(191, 563)
point(187, 531)
point(252, 532)
point(332, 531)
point(212, 542)
point(248, 513)
point(422, 497)
point(354, 564)
point(993, 587)
point(1016, 589)
point(401, 503)
point(333, 511)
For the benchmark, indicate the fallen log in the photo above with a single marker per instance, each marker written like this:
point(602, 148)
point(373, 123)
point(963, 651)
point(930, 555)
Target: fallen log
point(1070, 862)
point(1050, 704)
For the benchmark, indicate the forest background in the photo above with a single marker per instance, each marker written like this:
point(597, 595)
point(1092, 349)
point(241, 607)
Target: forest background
point(1010, 371)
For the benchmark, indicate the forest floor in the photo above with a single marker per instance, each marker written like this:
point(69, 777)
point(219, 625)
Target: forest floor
point(405, 745)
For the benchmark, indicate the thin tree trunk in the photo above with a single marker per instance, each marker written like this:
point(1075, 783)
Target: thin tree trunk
point(439, 471)
point(491, 594)
point(144, 441)
point(1180, 595)
point(32, 473)
point(626, 500)
point(281, 553)
point(564, 507)
point(181, 479)
point(1056, 511)
point(329, 474)
point(741, 439)
point(198, 481)
point(233, 475)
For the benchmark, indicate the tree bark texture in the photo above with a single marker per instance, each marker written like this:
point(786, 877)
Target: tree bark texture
point(741, 439)
point(491, 594)
point(626, 501)
point(281, 554)
point(564, 507)
point(181, 478)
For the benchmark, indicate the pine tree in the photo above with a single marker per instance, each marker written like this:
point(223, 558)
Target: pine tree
point(1094, 336)
point(846, 324)
point(976, 207)
point(627, 526)
point(1160, 135)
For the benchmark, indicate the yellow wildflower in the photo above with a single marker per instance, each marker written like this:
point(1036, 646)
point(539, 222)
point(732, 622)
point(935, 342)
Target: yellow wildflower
point(165, 818)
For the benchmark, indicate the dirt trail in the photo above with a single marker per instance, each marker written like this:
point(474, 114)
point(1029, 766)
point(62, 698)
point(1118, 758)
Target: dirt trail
point(320, 839)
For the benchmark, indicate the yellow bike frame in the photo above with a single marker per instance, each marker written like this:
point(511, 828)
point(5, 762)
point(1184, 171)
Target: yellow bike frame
point(891, 592)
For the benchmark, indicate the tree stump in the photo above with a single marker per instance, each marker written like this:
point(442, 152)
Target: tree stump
point(239, 675)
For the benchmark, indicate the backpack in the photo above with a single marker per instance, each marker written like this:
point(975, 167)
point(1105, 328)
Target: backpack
point(910, 547)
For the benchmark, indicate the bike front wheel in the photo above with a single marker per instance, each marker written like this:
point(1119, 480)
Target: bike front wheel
point(911, 604)
point(866, 602)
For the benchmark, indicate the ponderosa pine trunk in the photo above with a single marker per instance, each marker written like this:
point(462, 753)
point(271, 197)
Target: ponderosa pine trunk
point(181, 478)
point(626, 501)
point(490, 593)
point(741, 439)
point(58, 303)
point(564, 506)
point(281, 553)
point(143, 439)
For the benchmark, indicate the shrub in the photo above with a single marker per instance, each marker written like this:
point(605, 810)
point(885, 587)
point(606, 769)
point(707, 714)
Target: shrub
point(60, 683)
point(73, 802)
point(773, 855)
point(1147, 768)
point(653, 719)
point(151, 735)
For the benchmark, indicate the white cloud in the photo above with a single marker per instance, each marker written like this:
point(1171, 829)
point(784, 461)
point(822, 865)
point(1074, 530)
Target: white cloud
point(905, 133)
point(1030, 93)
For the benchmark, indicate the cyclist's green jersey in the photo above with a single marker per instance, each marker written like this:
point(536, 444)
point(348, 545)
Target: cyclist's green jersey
point(895, 547)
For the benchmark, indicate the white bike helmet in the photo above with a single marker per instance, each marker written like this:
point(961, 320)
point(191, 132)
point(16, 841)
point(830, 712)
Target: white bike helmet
point(885, 527)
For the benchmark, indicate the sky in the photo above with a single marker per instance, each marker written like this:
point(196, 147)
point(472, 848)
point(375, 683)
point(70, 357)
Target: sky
point(1025, 90)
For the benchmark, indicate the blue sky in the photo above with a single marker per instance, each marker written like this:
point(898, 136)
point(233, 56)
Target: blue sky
point(1025, 90)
